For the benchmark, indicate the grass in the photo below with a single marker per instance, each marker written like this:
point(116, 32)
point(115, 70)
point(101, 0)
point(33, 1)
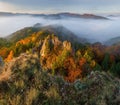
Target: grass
point(24, 83)
point(5, 75)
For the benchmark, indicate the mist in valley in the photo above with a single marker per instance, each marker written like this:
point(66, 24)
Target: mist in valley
point(92, 29)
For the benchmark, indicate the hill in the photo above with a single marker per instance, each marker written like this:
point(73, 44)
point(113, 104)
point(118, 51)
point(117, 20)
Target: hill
point(113, 41)
point(20, 34)
point(49, 65)
point(58, 30)
point(22, 81)
point(58, 48)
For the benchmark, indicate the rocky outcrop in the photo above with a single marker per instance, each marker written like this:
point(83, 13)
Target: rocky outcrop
point(51, 48)
point(45, 47)
point(67, 45)
point(49, 43)
point(56, 41)
point(52, 42)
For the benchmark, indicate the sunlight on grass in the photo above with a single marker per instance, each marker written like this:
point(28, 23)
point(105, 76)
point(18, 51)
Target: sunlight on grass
point(5, 75)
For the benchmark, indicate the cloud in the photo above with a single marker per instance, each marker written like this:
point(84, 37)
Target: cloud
point(65, 5)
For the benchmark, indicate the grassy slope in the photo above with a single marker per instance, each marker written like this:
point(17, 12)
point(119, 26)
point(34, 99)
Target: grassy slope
point(25, 83)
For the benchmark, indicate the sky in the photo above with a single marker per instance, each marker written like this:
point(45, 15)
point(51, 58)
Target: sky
point(56, 6)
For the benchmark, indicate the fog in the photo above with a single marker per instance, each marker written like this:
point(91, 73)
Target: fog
point(92, 29)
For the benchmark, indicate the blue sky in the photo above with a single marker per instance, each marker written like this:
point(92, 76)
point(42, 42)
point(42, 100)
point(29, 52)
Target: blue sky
point(55, 6)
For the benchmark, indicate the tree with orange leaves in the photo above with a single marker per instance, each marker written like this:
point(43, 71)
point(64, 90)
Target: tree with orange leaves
point(10, 56)
point(73, 69)
point(4, 52)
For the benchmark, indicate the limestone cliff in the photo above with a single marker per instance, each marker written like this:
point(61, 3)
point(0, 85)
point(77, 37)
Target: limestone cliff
point(52, 48)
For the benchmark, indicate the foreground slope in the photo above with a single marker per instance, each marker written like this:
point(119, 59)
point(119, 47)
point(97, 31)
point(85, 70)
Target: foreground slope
point(23, 82)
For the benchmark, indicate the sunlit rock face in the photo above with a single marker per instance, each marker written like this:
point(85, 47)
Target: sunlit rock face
point(67, 45)
point(52, 42)
point(51, 48)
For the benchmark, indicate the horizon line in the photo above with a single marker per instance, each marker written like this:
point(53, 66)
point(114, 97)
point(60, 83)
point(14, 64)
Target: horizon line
point(58, 12)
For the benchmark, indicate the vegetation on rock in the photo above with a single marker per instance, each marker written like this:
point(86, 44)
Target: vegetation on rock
point(23, 82)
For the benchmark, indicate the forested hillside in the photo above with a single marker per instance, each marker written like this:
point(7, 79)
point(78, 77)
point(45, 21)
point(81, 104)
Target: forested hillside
point(50, 66)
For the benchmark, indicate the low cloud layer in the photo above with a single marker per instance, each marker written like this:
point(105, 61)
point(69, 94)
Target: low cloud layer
point(95, 30)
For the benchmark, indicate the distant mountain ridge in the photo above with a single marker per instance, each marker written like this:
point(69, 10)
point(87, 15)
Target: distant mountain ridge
point(10, 14)
point(113, 41)
point(57, 15)
point(84, 16)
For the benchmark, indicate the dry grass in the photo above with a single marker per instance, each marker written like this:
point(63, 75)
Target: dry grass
point(5, 74)
point(31, 96)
